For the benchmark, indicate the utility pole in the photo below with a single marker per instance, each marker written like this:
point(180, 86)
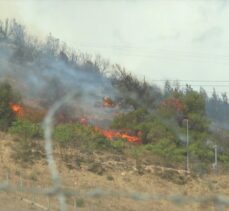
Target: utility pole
point(216, 158)
point(187, 144)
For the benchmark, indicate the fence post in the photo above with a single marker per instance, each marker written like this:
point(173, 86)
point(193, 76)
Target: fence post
point(20, 185)
point(75, 204)
point(7, 178)
point(48, 198)
point(33, 193)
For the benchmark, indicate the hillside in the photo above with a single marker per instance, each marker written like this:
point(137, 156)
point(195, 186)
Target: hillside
point(108, 128)
point(118, 174)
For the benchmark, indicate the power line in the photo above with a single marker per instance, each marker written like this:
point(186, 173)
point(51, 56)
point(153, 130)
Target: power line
point(203, 85)
point(207, 81)
point(207, 85)
point(165, 51)
point(162, 53)
point(195, 83)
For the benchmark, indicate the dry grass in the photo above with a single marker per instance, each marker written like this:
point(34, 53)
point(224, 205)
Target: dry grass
point(125, 177)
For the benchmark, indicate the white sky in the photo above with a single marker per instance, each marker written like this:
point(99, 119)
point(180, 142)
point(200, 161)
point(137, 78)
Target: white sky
point(158, 39)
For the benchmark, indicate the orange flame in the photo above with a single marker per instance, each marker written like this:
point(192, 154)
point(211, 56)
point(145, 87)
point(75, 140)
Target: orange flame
point(17, 109)
point(111, 134)
point(30, 113)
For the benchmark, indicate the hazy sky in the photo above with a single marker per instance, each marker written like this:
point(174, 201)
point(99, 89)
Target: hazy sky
point(158, 39)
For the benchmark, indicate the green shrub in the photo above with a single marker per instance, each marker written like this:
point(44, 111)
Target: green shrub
point(197, 122)
point(167, 150)
point(224, 158)
point(152, 128)
point(7, 97)
point(137, 152)
point(154, 131)
point(110, 177)
point(26, 148)
point(102, 143)
point(65, 134)
point(199, 151)
point(76, 136)
point(130, 120)
point(26, 129)
point(118, 145)
point(79, 202)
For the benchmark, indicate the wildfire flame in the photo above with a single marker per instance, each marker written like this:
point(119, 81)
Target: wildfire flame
point(29, 113)
point(17, 109)
point(111, 134)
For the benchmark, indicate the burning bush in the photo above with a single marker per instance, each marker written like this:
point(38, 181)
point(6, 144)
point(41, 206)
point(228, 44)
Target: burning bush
point(149, 128)
point(8, 98)
point(72, 136)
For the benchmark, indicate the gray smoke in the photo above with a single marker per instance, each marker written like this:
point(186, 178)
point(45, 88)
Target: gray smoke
point(45, 73)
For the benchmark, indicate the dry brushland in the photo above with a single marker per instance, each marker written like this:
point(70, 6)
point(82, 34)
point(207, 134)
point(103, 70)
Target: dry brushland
point(109, 172)
point(119, 143)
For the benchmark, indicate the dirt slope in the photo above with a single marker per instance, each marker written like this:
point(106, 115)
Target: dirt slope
point(110, 174)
